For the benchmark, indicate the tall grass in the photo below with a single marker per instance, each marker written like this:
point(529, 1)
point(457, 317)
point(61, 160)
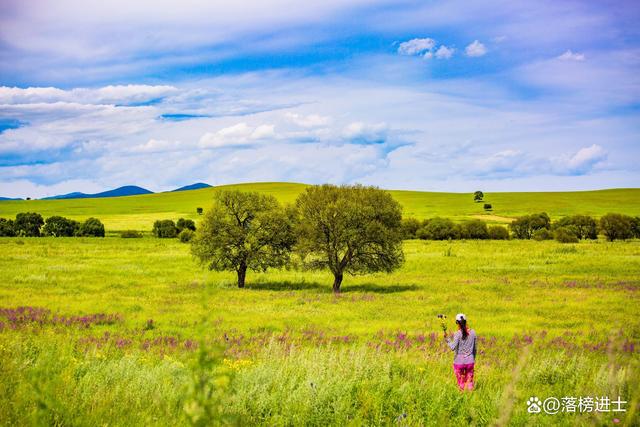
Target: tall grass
point(552, 322)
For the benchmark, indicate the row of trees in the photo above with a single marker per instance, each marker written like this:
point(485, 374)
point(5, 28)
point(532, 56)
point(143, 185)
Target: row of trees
point(536, 226)
point(446, 229)
point(345, 229)
point(31, 224)
point(613, 226)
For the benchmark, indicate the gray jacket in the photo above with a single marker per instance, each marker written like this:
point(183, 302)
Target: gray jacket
point(465, 349)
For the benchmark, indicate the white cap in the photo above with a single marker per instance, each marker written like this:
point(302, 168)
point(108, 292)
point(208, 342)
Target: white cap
point(461, 316)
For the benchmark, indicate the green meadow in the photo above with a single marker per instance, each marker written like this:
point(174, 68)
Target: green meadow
point(139, 212)
point(135, 332)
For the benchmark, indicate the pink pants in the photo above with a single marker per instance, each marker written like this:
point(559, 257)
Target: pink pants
point(464, 375)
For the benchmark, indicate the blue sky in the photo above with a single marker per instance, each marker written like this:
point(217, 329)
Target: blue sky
point(427, 95)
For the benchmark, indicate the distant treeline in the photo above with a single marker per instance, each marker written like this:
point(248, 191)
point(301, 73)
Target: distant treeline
point(538, 226)
point(31, 224)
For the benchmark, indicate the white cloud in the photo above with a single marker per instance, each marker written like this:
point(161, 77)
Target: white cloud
point(159, 146)
point(444, 52)
point(236, 135)
point(476, 49)
point(308, 121)
point(122, 94)
point(585, 159)
point(263, 131)
point(571, 56)
point(366, 132)
point(416, 46)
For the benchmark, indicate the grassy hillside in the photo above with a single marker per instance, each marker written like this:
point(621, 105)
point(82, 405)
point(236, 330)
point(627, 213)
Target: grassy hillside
point(139, 212)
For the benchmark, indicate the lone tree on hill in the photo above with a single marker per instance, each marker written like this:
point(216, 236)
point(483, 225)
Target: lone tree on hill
point(244, 230)
point(349, 229)
point(478, 196)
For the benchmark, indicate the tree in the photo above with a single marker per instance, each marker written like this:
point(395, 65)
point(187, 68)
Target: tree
point(542, 234)
point(409, 228)
point(244, 230)
point(498, 232)
point(165, 229)
point(488, 207)
point(59, 226)
point(474, 229)
point(28, 224)
point(635, 227)
point(582, 226)
point(478, 196)
point(186, 235)
point(7, 228)
point(199, 211)
point(525, 226)
point(439, 229)
point(349, 229)
point(565, 235)
point(616, 226)
point(185, 224)
point(92, 227)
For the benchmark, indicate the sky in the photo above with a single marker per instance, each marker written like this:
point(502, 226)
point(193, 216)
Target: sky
point(492, 95)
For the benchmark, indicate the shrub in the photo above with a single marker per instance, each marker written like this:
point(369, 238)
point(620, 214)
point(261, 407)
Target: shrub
point(92, 227)
point(525, 226)
point(185, 224)
point(186, 235)
point(542, 234)
point(582, 226)
point(409, 228)
point(498, 232)
point(439, 229)
point(565, 235)
point(616, 226)
point(199, 211)
point(635, 227)
point(165, 229)
point(477, 196)
point(131, 234)
point(28, 224)
point(474, 229)
point(58, 226)
point(487, 206)
point(7, 228)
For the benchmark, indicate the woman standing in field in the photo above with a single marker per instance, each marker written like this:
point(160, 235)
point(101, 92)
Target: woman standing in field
point(463, 344)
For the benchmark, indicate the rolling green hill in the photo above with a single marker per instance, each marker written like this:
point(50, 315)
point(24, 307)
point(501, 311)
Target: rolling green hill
point(139, 212)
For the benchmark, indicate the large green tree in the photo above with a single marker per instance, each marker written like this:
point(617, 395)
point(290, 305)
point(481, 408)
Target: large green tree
point(244, 230)
point(349, 229)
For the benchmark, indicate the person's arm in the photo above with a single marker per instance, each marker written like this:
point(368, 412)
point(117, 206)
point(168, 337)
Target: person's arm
point(453, 343)
point(475, 345)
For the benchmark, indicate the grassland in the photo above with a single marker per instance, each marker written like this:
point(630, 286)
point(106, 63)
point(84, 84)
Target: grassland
point(555, 320)
point(139, 212)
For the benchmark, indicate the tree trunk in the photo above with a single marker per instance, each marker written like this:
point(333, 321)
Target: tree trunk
point(242, 273)
point(337, 281)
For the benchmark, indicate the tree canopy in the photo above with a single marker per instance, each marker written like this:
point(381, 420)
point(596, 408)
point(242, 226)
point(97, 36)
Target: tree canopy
point(244, 230)
point(349, 229)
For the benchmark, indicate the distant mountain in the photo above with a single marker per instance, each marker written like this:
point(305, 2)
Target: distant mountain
point(127, 190)
point(195, 186)
point(10, 198)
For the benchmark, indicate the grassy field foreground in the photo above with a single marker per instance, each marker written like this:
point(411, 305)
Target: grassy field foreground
point(132, 332)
